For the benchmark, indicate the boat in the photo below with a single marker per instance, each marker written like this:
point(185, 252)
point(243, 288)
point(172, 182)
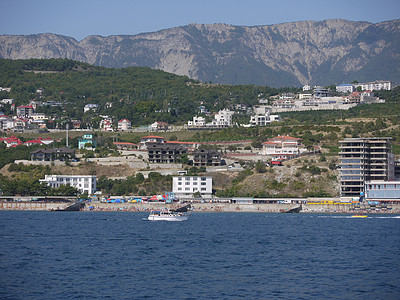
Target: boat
point(167, 215)
point(359, 216)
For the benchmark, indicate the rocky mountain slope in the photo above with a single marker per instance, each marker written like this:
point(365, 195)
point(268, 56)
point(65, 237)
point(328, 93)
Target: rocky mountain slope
point(326, 52)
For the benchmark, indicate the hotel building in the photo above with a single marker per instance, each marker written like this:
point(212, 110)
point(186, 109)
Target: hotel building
point(364, 160)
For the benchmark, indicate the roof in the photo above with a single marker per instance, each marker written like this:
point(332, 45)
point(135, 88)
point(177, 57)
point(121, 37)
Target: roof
point(152, 137)
point(33, 142)
point(123, 120)
point(124, 143)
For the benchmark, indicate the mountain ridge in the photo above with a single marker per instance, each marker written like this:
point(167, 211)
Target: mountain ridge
point(291, 53)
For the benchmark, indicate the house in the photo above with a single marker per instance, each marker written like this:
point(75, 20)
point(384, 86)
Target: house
point(83, 183)
point(164, 153)
point(88, 107)
point(7, 101)
point(24, 111)
point(222, 119)
point(345, 88)
point(320, 92)
point(159, 126)
point(46, 141)
point(52, 154)
point(197, 122)
point(106, 124)
point(124, 124)
point(260, 120)
point(6, 123)
point(32, 143)
point(150, 139)
point(186, 186)
point(20, 124)
point(283, 147)
point(125, 145)
point(87, 141)
point(11, 141)
point(77, 124)
point(206, 158)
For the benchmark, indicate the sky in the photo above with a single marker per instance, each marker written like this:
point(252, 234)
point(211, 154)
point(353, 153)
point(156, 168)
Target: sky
point(81, 18)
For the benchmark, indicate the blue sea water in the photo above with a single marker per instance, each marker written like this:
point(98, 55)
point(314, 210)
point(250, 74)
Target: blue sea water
point(121, 255)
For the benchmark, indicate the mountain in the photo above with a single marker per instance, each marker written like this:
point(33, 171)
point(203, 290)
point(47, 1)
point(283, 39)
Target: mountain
point(307, 52)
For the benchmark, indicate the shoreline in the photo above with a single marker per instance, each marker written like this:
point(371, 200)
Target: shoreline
point(203, 207)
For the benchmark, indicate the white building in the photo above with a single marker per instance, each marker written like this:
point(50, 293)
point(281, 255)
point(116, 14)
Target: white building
point(83, 183)
point(7, 101)
point(305, 96)
point(124, 124)
point(197, 122)
point(306, 88)
point(223, 118)
point(283, 147)
point(260, 120)
point(186, 186)
point(376, 85)
point(88, 107)
point(345, 88)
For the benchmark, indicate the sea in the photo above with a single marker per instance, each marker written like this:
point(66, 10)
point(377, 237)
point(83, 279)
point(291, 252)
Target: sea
point(122, 255)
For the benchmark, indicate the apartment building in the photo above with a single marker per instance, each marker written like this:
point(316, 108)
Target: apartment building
point(164, 153)
point(205, 157)
point(376, 85)
point(186, 186)
point(83, 183)
point(364, 160)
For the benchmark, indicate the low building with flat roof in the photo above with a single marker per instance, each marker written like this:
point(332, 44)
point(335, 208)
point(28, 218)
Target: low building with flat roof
point(186, 186)
point(83, 183)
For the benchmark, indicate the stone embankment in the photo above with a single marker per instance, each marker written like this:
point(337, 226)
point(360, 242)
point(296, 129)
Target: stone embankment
point(198, 207)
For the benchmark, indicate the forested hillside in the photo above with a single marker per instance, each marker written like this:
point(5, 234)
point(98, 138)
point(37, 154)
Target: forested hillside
point(140, 94)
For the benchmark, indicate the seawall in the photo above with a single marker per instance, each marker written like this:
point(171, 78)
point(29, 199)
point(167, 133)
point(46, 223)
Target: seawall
point(201, 207)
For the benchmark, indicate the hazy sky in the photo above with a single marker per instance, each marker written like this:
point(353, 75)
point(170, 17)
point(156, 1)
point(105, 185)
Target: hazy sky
point(80, 18)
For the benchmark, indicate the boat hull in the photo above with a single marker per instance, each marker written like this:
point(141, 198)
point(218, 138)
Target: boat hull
point(167, 216)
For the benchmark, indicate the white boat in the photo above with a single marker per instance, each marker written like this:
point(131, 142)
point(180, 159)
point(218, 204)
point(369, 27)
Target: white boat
point(167, 215)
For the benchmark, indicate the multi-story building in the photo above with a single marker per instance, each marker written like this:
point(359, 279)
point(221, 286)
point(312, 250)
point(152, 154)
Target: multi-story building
point(164, 152)
point(124, 124)
point(150, 139)
point(52, 154)
point(186, 186)
point(364, 160)
point(345, 88)
point(83, 183)
point(87, 141)
point(283, 147)
point(25, 111)
point(205, 157)
point(197, 122)
point(320, 92)
point(376, 85)
point(223, 118)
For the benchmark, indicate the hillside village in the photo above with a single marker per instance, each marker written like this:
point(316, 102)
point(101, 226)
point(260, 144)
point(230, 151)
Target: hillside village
point(26, 118)
point(278, 165)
